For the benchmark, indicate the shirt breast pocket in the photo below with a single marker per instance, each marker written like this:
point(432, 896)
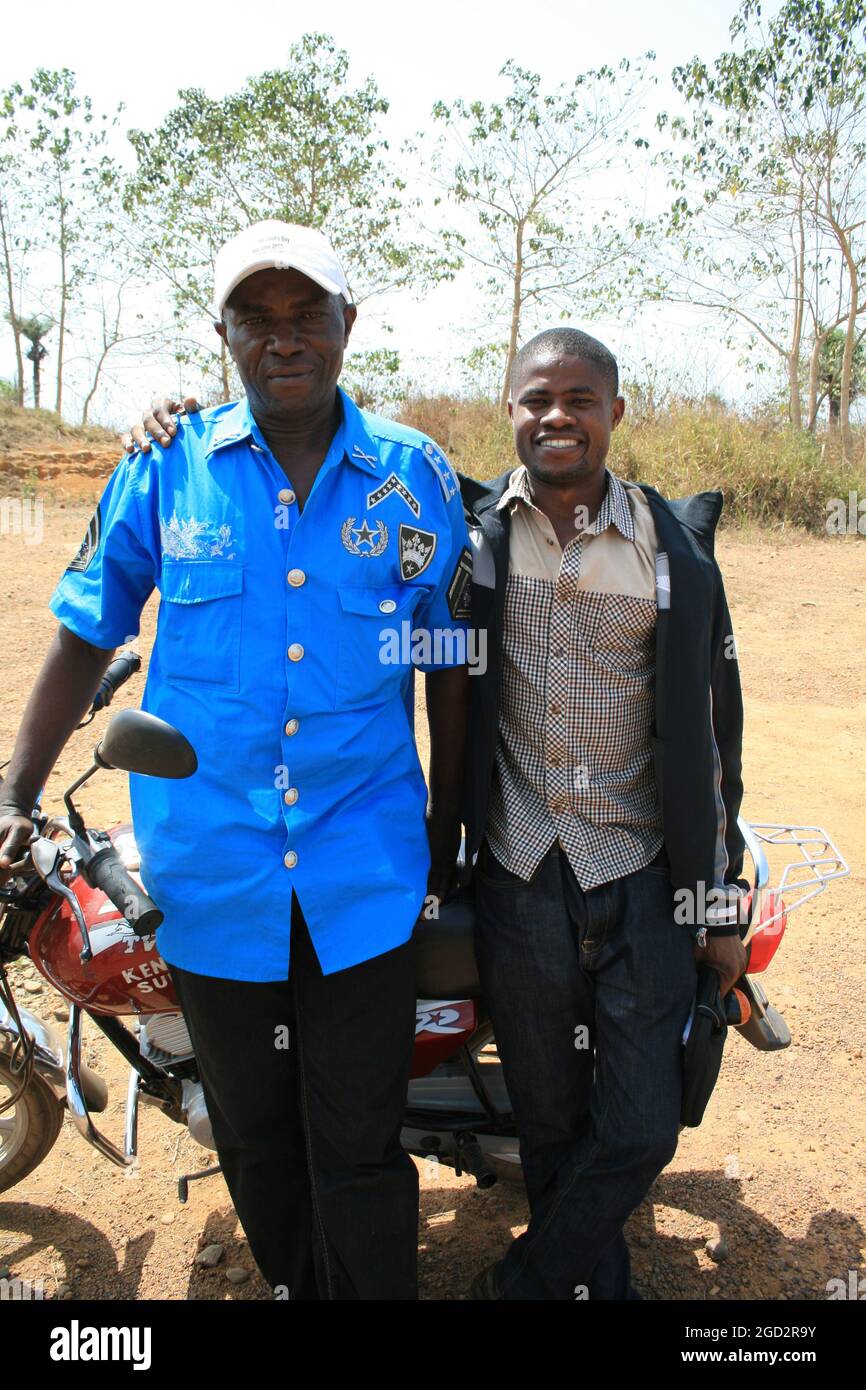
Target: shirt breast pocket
point(624, 638)
point(199, 631)
point(375, 643)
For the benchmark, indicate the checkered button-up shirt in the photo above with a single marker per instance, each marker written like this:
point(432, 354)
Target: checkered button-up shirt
point(573, 756)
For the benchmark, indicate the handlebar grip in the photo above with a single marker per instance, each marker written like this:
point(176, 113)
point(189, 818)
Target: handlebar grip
point(108, 872)
point(117, 673)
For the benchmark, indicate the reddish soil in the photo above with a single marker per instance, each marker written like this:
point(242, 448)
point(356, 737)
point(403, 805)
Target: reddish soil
point(778, 1164)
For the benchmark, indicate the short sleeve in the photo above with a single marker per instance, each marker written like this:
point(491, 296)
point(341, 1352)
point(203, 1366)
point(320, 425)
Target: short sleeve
point(444, 613)
point(106, 585)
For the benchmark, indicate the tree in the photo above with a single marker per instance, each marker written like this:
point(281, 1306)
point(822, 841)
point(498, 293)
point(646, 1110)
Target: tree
point(34, 329)
point(13, 245)
point(482, 369)
point(830, 373)
point(297, 143)
point(373, 378)
point(58, 141)
point(776, 147)
point(110, 330)
point(524, 174)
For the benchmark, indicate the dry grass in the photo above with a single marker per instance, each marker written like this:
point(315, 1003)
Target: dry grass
point(475, 435)
point(769, 473)
point(24, 429)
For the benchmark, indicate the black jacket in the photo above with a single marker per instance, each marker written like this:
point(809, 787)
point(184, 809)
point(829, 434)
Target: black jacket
point(698, 726)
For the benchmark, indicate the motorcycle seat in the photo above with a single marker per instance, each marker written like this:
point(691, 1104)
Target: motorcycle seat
point(446, 965)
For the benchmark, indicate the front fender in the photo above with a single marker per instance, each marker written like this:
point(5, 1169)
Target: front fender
point(49, 1056)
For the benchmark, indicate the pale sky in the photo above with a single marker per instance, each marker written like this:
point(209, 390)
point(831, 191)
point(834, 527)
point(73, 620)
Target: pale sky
point(141, 56)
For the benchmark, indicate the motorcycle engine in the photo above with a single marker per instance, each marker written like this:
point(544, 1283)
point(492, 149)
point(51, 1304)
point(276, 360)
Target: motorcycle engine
point(164, 1040)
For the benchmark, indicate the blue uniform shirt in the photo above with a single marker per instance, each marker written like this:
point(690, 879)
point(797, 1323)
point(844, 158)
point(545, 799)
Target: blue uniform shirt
point(284, 651)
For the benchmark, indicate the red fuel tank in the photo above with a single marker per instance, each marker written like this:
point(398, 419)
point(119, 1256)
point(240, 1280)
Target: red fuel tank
point(126, 975)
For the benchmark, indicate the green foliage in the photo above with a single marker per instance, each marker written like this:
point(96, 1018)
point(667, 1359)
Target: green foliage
point(33, 327)
point(373, 379)
point(769, 205)
point(297, 143)
point(830, 370)
point(482, 370)
point(60, 180)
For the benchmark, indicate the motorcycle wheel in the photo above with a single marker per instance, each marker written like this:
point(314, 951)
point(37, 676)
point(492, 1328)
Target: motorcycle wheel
point(29, 1129)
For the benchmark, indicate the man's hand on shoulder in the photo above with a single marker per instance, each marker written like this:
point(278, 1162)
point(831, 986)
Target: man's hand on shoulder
point(158, 423)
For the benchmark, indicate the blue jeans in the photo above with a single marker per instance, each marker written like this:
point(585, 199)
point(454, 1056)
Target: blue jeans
point(589, 994)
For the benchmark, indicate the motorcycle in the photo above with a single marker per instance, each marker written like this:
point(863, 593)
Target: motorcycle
point(76, 907)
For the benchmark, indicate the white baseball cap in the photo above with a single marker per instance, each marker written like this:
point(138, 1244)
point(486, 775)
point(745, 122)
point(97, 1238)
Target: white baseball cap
point(274, 245)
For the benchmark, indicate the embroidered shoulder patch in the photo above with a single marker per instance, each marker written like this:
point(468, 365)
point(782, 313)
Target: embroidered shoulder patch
point(443, 470)
point(89, 545)
point(460, 587)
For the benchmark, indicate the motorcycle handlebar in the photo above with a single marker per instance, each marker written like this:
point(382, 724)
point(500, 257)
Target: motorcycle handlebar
point(107, 871)
point(117, 673)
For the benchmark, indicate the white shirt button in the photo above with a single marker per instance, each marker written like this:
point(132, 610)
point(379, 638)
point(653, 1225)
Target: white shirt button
point(292, 727)
point(296, 578)
point(290, 859)
point(387, 605)
point(296, 651)
point(286, 495)
point(291, 796)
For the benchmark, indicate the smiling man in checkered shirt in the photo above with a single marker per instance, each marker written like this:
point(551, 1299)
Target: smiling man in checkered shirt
point(604, 773)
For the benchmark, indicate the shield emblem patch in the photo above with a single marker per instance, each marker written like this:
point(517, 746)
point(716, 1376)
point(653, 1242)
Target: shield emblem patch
point(417, 549)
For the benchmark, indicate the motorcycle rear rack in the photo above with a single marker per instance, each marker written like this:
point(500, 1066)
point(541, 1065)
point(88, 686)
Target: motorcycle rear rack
point(818, 864)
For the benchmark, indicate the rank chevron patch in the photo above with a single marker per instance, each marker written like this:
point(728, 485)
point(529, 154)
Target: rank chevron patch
point(394, 484)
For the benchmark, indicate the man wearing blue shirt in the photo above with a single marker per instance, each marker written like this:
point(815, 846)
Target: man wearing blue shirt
point(290, 536)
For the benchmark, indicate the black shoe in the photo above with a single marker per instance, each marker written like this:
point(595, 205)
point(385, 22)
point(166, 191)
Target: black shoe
point(486, 1284)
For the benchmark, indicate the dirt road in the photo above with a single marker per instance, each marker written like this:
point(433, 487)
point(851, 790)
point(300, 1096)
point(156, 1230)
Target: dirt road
point(777, 1166)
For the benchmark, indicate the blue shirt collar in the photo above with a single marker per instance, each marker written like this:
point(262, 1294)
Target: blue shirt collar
point(352, 440)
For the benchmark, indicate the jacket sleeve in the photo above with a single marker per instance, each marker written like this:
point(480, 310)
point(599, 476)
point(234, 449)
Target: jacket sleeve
point(727, 731)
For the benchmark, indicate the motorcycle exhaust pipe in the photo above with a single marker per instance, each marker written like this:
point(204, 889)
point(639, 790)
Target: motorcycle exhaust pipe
point(470, 1158)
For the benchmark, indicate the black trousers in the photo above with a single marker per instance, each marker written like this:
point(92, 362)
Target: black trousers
point(308, 1135)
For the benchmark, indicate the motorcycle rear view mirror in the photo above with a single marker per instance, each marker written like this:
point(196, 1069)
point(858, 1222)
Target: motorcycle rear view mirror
point(138, 742)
